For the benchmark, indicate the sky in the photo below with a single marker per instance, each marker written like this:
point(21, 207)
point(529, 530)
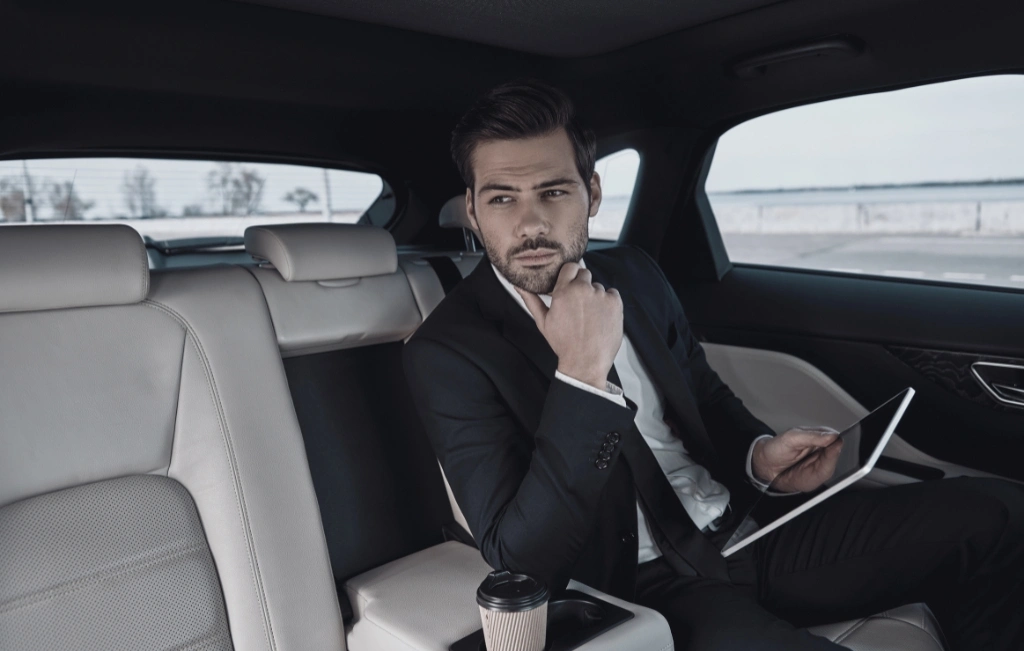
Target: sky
point(964, 130)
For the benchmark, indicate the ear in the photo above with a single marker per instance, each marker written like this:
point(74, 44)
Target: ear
point(471, 210)
point(595, 194)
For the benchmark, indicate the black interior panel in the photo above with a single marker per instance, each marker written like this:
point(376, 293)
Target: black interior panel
point(849, 327)
point(378, 484)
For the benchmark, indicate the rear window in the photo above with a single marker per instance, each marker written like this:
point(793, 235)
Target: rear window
point(169, 200)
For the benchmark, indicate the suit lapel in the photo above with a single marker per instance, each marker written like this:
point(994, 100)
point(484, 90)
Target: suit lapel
point(667, 376)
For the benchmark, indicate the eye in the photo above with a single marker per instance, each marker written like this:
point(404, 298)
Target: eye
point(555, 193)
point(500, 199)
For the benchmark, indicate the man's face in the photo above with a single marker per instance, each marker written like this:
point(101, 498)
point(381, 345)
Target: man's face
point(531, 208)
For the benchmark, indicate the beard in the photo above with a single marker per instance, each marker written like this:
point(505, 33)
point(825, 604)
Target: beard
point(539, 281)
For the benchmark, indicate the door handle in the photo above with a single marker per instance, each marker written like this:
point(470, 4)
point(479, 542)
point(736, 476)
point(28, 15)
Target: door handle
point(1004, 382)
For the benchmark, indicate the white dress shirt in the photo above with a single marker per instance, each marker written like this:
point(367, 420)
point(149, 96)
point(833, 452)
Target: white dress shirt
point(704, 499)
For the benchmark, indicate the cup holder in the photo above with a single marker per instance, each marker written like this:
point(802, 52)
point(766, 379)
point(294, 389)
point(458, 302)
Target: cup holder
point(574, 618)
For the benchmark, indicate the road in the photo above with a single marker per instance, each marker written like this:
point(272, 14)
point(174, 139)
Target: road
point(970, 259)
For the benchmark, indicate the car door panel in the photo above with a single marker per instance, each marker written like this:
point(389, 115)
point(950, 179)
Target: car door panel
point(872, 338)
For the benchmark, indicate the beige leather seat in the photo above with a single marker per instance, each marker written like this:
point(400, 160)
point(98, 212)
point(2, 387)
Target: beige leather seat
point(154, 491)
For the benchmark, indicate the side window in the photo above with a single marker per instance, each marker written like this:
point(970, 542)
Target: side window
point(171, 200)
point(618, 178)
point(925, 182)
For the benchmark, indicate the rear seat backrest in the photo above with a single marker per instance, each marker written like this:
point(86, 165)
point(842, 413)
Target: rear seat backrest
point(342, 309)
point(154, 491)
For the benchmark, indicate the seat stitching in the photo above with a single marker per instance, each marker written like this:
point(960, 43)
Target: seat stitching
point(233, 465)
point(860, 624)
point(850, 631)
point(203, 641)
point(921, 628)
point(125, 567)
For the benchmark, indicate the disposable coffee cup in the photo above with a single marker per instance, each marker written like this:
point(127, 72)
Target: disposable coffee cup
point(513, 611)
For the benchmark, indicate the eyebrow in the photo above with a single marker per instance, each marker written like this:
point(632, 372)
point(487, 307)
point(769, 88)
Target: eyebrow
point(540, 186)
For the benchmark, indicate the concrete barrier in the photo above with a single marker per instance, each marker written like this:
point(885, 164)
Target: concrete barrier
point(932, 218)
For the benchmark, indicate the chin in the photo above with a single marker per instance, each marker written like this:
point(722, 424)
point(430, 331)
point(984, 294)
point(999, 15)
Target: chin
point(538, 281)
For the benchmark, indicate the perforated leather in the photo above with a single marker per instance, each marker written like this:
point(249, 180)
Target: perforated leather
point(117, 564)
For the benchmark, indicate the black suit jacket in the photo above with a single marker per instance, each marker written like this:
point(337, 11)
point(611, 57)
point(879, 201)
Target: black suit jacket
point(519, 448)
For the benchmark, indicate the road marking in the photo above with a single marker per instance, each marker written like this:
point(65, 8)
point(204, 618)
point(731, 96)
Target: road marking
point(1017, 279)
point(846, 271)
point(956, 275)
point(903, 274)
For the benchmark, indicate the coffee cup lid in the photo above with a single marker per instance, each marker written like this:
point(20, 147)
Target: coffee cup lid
point(511, 591)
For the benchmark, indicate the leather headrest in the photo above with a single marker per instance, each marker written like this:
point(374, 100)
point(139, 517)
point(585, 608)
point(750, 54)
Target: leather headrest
point(303, 252)
point(454, 215)
point(54, 266)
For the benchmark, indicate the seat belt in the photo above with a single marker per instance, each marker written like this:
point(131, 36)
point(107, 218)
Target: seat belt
point(446, 271)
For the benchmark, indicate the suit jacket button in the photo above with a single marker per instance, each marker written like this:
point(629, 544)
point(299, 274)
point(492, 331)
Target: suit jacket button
point(606, 447)
point(605, 456)
point(613, 438)
point(601, 464)
point(628, 537)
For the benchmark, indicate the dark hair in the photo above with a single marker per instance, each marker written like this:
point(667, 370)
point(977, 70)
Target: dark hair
point(522, 109)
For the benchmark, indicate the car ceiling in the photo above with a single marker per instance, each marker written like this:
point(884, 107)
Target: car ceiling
point(560, 28)
point(187, 76)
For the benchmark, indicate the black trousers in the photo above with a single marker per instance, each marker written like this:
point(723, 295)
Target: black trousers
point(955, 544)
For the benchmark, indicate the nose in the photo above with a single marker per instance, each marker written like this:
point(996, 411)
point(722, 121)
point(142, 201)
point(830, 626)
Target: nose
point(532, 224)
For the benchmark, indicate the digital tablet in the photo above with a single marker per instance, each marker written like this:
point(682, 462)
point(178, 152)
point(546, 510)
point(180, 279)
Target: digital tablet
point(863, 443)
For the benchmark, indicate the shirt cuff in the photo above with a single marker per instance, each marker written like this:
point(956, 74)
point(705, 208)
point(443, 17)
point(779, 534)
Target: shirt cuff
point(611, 392)
point(760, 485)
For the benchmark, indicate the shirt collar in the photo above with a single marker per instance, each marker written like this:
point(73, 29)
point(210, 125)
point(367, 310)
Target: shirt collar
point(510, 288)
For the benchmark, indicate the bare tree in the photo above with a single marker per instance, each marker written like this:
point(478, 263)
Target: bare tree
point(235, 190)
point(301, 197)
point(139, 189)
point(248, 191)
point(12, 200)
point(192, 210)
point(218, 185)
point(65, 201)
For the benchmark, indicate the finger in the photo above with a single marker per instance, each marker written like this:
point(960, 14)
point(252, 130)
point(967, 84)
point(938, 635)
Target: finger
point(567, 274)
point(536, 306)
point(599, 287)
point(583, 276)
point(801, 438)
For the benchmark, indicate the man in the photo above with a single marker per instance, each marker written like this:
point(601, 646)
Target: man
point(585, 436)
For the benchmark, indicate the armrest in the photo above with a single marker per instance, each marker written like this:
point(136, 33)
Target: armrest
point(427, 601)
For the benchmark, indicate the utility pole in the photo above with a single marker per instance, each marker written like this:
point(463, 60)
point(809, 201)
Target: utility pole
point(326, 205)
point(30, 201)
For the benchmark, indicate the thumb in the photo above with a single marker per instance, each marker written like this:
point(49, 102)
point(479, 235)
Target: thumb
point(536, 306)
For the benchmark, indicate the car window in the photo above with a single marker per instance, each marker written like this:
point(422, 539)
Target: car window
point(618, 179)
point(926, 182)
point(171, 200)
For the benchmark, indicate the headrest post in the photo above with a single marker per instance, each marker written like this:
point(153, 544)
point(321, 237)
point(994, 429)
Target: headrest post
point(467, 236)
